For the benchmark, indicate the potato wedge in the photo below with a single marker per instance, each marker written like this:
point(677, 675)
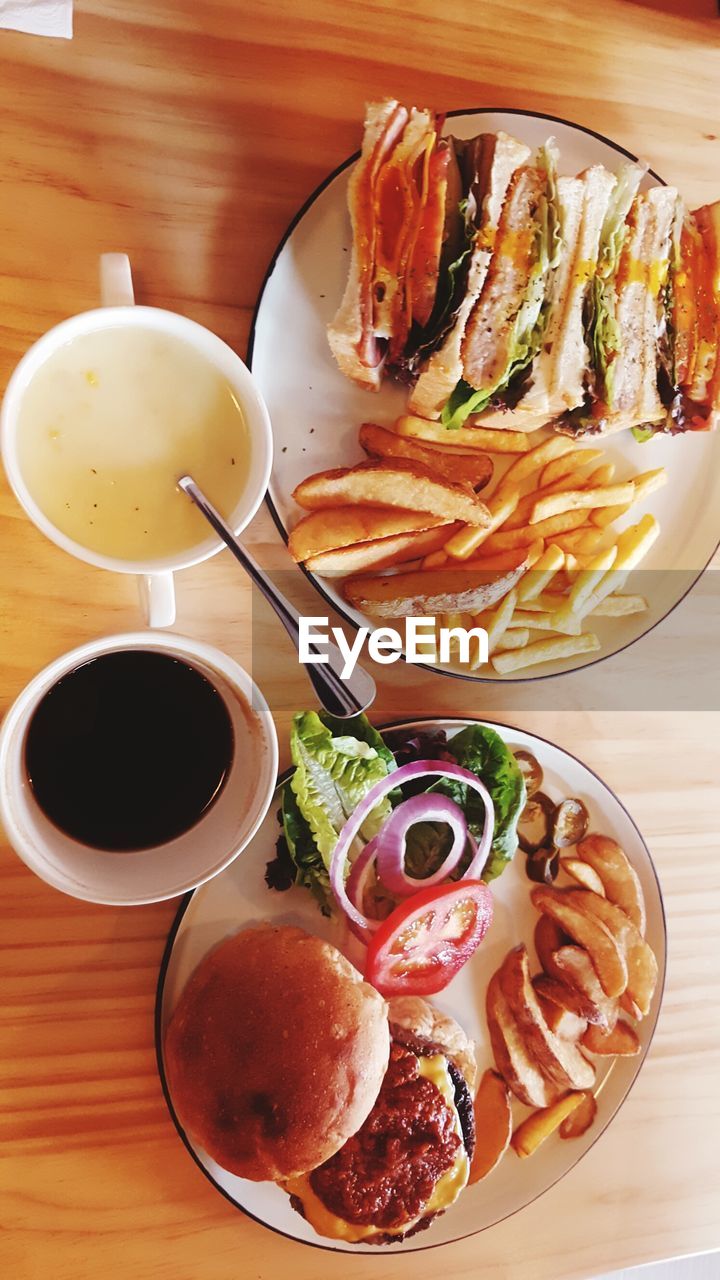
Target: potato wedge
point(642, 967)
point(399, 483)
point(565, 1023)
point(621, 1042)
point(431, 591)
point(566, 998)
point(541, 1124)
point(583, 874)
point(589, 932)
point(514, 1061)
point(334, 527)
point(493, 1125)
point(380, 553)
point(579, 1120)
point(472, 437)
point(573, 967)
point(475, 469)
point(617, 874)
point(559, 1060)
point(549, 937)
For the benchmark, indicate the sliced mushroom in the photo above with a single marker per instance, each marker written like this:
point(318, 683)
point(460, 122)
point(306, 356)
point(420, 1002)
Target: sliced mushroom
point(570, 823)
point(535, 825)
point(543, 865)
point(531, 771)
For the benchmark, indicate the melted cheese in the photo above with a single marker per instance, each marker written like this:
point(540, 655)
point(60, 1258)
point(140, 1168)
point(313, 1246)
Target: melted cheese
point(446, 1190)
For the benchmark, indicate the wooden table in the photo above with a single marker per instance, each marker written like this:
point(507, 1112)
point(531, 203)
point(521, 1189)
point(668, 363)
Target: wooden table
point(187, 134)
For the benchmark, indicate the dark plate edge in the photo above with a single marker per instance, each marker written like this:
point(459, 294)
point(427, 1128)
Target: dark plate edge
point(419, 1248)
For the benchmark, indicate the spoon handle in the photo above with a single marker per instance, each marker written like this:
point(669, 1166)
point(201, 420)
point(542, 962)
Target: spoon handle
point(342, 698)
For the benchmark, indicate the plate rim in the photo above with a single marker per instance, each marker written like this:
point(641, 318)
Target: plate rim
point(283, 775)
point(316, 583)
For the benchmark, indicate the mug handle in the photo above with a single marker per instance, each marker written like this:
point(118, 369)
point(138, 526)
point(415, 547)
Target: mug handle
point(157, 590)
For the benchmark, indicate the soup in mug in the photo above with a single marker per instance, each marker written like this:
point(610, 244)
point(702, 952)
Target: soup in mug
point(107, 426)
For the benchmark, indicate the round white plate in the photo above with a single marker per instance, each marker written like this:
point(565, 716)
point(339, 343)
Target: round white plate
point(239, 897)
point(316, 412)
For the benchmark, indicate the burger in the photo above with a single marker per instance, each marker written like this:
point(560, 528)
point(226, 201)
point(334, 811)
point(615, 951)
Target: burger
point(283, 1065)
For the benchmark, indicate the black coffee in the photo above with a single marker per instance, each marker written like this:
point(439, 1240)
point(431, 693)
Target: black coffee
point(129, 750)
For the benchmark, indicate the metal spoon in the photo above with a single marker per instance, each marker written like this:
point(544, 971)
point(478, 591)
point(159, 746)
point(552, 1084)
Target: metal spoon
point(342, 698)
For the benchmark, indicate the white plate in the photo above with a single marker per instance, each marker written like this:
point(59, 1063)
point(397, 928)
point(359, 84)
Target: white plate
point(239, 897)
point(316, 412)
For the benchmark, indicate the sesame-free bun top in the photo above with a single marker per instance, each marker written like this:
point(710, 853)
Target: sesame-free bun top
point(275, 1053)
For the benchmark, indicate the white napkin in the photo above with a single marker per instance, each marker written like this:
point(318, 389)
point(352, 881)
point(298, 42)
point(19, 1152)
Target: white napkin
point(38, 17)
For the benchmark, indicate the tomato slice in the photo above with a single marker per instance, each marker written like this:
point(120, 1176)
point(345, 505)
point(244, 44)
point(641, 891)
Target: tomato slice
point(428, 938)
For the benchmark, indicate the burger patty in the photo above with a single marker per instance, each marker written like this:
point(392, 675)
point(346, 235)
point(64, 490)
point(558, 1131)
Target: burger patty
point(386, 1173)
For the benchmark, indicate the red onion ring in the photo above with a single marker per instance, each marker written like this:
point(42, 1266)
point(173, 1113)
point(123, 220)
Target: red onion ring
point(406, 773)
point(392, 840)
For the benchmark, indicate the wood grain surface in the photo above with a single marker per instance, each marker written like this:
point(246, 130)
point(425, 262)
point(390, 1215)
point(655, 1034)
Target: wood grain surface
point(187, 135)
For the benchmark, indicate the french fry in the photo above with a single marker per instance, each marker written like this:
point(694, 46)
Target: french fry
point(545, 651)
point(648, 482)
point(501, 560)
point(608, 515)
point(631, 547)
point(514, 638)
point(601, 475)
point(467, 540)
point(499, 620)
point(568, 463)
point(542, 573)
point(533, 553)
point(572, 566)
point(471, 437)
point(585, 539)
point(436, 559)
point(581, 499)
point(619, 606)
point(643, 484)
point(541, 1124)
point(534, 460)
point(587, 581)
point(546, 602)
point(567, 625)
point(523, 510)
point(506, 539)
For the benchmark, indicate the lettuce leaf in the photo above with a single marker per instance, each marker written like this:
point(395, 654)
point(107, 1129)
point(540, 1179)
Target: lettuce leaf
point(310, 870)
point(482, 751)
point(333, 774)
point(531, 318)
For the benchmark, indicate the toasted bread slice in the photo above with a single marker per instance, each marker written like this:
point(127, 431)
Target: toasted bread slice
point(351, 335)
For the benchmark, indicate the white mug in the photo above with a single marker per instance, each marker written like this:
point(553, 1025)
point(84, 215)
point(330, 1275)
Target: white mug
point(148, 875)
point(118, 308)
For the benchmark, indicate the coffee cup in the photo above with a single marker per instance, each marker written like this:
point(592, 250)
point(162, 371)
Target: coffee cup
point(147, 874)
point(118, 313)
